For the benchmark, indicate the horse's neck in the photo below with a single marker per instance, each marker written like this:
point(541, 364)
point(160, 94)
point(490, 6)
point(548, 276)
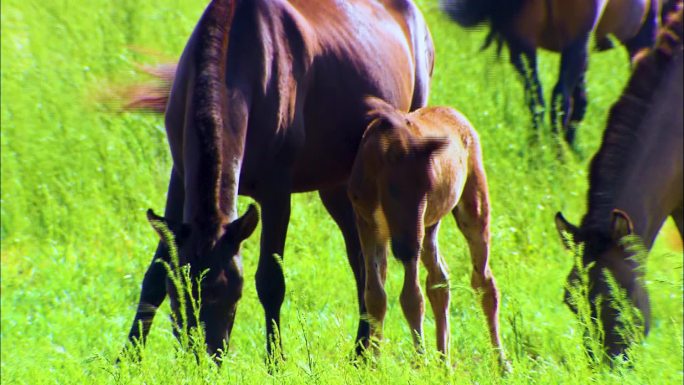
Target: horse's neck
point(652, 182)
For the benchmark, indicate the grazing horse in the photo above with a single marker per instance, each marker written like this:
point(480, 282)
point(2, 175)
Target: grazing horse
point(560, 26)
point(268, 100)
point(635, 183)
point(412, 170)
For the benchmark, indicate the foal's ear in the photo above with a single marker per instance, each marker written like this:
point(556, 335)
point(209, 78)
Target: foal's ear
point(567, 231)
point(621, 225)
point(430, 146)
point(241, 228)
point(169, 231)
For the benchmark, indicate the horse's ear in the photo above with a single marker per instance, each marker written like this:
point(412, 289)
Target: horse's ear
point(621, 225)
point(430, 146)
point(567, 231)
point(244, 226)
point(168, 230)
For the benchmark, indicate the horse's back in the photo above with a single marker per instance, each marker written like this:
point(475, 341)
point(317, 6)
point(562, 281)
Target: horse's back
point(452, 165)
point(361, 48)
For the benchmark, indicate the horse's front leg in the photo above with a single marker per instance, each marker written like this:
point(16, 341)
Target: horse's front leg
point(437, 287)
point(524, 60)
point(153, 289)
point(572, 69)
point(270, 281)
point(374, 247)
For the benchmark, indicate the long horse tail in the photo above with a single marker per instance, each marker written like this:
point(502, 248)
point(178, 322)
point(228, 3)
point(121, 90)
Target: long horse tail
point(473, 13)
point(468, 13)
point(209, 102)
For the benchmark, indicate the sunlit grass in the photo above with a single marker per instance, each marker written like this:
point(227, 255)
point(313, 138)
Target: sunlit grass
point(76, 181)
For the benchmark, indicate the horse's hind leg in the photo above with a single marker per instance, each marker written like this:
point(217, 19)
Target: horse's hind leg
point(573, 66)
point(437, 287)
point(472, 217)
point(646, 36)
point(579, 107)
point(678, 217)
point(340, 209)
point(525, 62)
point(153, 289)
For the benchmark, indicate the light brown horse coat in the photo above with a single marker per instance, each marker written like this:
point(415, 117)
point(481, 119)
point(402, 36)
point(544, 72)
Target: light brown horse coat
point(412, 170)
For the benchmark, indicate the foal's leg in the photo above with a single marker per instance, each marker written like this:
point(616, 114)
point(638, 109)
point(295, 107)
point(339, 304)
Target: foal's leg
point(412, 302)
point(374, 246)
point(472, 217)
point(524, 59)
point(573, 66)
point(270, 282)
point(437, 287)
point(153, 289)
point(340, 209)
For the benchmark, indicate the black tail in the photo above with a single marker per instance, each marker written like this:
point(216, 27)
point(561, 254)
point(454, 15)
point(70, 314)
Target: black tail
point(209, 101)
point(468, 13)
point(471, 13)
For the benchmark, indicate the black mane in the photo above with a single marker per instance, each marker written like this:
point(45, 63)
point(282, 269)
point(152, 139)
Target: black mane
point(619, 139)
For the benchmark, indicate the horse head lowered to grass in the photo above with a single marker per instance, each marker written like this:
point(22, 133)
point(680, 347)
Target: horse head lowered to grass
point(635, 183)
point(267, 100)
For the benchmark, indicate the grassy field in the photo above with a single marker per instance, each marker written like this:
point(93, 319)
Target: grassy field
point(77, 179)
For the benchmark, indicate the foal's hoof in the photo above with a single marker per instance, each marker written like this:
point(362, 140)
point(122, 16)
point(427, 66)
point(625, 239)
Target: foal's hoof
point(505, 366)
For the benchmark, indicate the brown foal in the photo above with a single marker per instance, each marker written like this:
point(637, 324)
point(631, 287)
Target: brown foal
point(411, 170)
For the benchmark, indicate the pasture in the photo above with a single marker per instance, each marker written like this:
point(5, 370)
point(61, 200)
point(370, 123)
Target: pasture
point(77, 179)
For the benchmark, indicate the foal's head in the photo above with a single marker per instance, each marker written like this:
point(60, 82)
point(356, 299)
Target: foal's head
point(606, 256)
point(215, 274)
point(398, 163)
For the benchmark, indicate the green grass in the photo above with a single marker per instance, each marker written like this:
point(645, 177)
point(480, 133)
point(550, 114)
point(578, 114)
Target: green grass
point(76, 180)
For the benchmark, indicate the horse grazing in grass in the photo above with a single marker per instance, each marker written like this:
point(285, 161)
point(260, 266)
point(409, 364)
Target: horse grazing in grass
point(268, 100)
point(560, 26)
point(635, 183)
point(412, 170)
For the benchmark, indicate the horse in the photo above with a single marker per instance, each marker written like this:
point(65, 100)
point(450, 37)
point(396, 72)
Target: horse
point(266, 101)
point(411, 170)
point(558, 26)
point(635, 184)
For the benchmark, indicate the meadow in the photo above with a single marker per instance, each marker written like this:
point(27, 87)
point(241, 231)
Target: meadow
point(77, 178)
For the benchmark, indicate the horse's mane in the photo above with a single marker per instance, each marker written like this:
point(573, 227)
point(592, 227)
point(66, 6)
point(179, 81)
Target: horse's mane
point(208, 99)
point(607, 167)
point(471, 13)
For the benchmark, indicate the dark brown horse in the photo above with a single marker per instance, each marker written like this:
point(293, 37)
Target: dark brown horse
point(560, 26)
point(635, 183)
point(412, 170)
point(267, 100)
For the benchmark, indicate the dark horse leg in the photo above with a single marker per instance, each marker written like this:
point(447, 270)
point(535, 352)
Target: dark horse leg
point(579, 107)
point(525, 62)
point(573, 66)
point(153, 289)
point(270, 282)
point(340, 209)
point(646, 36)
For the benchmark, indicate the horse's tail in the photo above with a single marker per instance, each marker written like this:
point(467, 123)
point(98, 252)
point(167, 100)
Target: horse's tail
point(468, 13)
point(472, 13)
point(209, 96)
point(151, 96)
